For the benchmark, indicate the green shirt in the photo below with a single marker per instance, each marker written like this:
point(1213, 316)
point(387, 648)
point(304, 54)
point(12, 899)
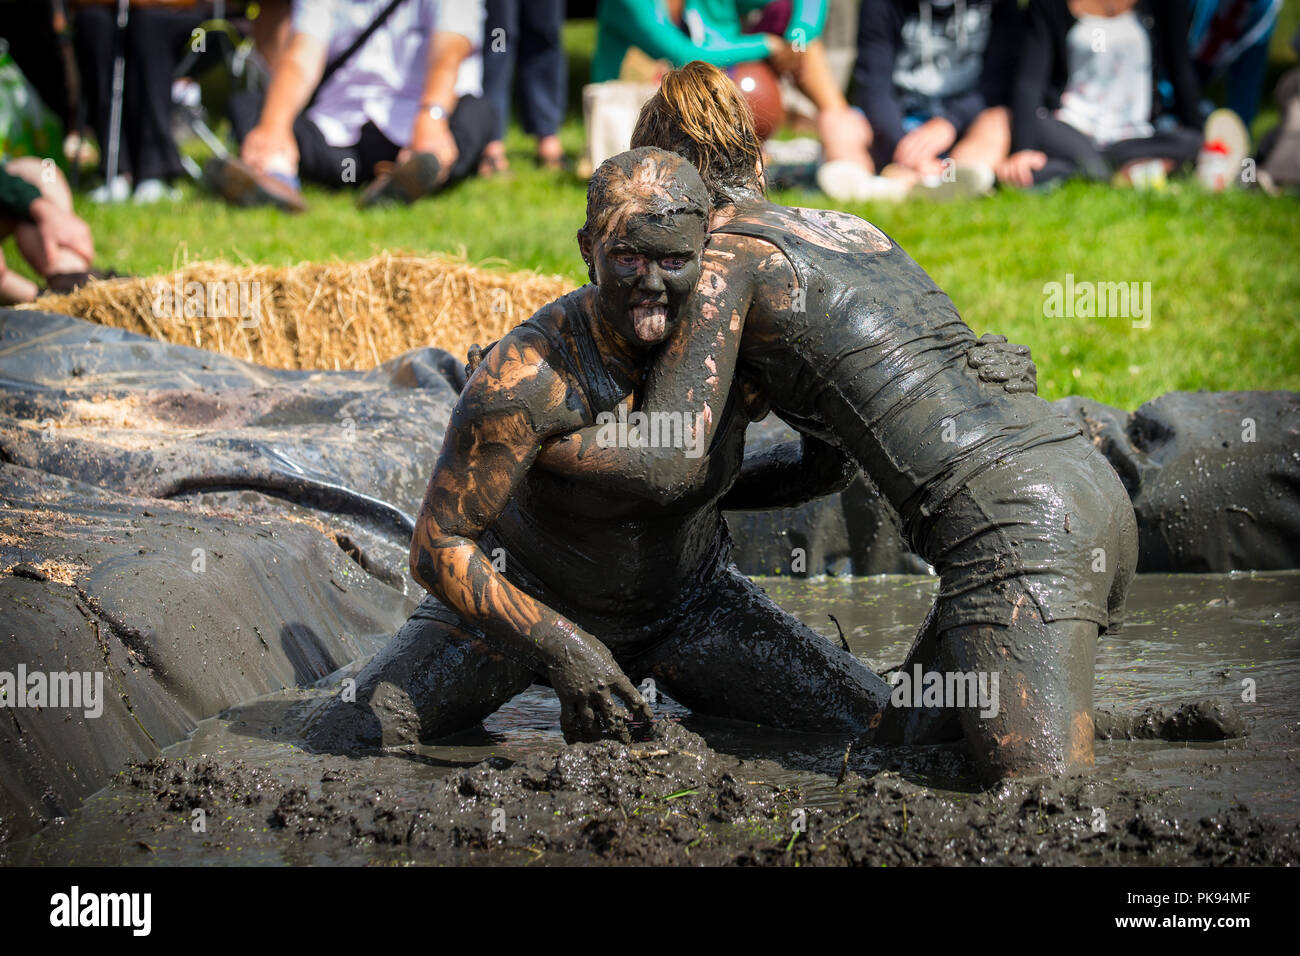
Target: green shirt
point(645, 24)
point(16, 197)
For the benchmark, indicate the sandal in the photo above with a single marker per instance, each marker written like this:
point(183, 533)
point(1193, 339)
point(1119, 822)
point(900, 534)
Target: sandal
point(404, 182)
point(241, 185)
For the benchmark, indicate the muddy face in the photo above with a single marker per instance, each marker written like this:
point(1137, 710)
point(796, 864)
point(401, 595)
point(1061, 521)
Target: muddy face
point(646, 270)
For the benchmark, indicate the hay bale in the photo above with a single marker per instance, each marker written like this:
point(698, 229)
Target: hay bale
point(339, 315)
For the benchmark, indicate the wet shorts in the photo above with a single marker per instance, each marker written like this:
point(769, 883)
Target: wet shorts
point(1052, 521)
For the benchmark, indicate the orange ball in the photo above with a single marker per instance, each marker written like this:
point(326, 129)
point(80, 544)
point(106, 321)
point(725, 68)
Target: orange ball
point(758, 84)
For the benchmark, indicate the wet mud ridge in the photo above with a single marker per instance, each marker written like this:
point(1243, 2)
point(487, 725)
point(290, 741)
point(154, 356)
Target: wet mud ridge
point(673, 800)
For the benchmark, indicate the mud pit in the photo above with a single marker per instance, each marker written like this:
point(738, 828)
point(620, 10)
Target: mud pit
point(120, 455)
point(705, 791)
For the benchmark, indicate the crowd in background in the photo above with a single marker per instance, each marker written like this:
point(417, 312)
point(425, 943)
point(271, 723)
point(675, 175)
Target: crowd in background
point(400, 99)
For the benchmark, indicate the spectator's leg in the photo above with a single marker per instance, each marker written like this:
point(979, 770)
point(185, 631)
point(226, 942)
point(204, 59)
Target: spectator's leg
point(1069, 153)
point(542, 76)
point(49, 180)
point(373, 147)
point(1176, 147)
point(844, 131)
point(94, 29)
point(987, 140)
point(1246, 78)
point(319, 162)
point(472, 124)
point(156, 40)
point(13, 287)
point(502, 39)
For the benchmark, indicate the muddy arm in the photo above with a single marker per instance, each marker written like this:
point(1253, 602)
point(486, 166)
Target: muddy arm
point(692, 376)
point(510, 406)
point(789, 474)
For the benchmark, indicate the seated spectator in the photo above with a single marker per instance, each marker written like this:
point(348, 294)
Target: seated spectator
point(1085, 101)
point(934, 78)
point(158, 33)
point(787, 35)
point(367, 91)
point(36, 209)
point(522, 52)
point(1229, 38)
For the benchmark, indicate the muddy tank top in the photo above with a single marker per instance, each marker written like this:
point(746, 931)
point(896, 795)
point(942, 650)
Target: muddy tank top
point(872, 355)
point(609, 561)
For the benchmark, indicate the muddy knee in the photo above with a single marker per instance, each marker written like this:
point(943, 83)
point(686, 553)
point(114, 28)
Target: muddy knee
point(1040, 716)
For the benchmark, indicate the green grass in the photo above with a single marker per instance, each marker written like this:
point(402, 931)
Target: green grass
point(1225, 286)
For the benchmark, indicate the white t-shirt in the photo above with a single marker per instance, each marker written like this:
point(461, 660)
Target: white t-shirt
point(1108, 94)
point(383, 81)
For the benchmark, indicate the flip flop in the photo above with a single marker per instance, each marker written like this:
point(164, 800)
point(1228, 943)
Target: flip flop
point(405, 182)
point(241, 185)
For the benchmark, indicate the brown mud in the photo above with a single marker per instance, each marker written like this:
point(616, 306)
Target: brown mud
point(712, 792)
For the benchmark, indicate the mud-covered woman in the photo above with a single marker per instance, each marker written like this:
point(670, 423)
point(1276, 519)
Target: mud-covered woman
point(591, 585)
point(1028, 527)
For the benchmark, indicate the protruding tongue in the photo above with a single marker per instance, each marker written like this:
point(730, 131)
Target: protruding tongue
point(650, 324)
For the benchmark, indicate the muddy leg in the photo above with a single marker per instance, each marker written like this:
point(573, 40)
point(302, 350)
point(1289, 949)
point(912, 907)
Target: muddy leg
point(920, 725)
point(432, 679)
point(741, 656)
point(1044, 721)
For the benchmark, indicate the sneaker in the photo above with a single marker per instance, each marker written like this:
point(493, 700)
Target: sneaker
point(963, 180)
point(846, 181)
point(152, 191)
point(119, 190)
point(1227, 144)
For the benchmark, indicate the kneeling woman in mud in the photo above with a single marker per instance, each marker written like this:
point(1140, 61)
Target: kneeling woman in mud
point(1027, 525)
point(595, 585)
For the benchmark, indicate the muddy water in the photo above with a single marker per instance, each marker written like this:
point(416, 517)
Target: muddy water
point(1187, 637)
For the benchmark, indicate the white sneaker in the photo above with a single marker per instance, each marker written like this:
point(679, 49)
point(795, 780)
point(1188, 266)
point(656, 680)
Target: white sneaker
point(116, 191)
point(1227, 144)
point(154, 190)
point(846, 181)
point(964, 179)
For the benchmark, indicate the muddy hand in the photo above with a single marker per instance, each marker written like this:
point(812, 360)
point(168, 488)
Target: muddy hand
point(1004, 363)
point(587, 681)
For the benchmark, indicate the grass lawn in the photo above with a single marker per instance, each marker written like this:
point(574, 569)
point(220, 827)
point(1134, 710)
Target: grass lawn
point(1224, 271)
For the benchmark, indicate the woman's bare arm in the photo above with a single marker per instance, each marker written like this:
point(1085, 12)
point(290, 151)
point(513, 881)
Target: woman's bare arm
point(508, 408)
point(691, 377)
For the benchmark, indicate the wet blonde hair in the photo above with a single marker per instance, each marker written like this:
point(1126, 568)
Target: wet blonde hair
point(699, 114)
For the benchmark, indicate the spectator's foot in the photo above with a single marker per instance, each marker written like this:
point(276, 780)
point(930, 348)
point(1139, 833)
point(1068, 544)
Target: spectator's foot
point(61, 283)
point(845, 135)
point(405, 182)
point(119, 190)
point(1144, 174)
point(494, 162)
point(846, 181)
point(151, 191)
point(550, 154)
point(241, 185)
point(959, 180)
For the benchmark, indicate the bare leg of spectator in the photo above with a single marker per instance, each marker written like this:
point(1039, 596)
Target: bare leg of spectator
point(844, 131)
point(987, 140)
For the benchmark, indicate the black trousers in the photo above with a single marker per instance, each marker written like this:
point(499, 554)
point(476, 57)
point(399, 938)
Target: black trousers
point(472, 123)
point(156, 40)
point(1071, 153)
point(522, 52)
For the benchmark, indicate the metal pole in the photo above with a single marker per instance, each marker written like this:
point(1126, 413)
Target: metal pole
point(119, 91)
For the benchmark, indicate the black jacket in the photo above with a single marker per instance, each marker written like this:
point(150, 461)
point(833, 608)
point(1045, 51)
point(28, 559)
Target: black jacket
point(880, 40)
